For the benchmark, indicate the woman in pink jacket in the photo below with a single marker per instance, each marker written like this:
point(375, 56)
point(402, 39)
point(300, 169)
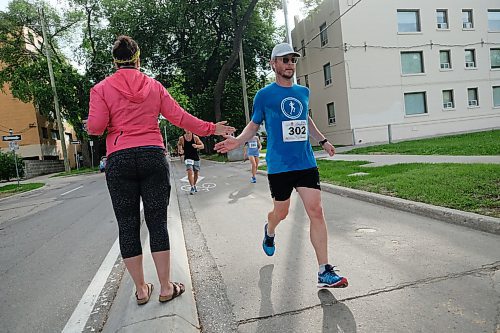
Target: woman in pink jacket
point(127, 104)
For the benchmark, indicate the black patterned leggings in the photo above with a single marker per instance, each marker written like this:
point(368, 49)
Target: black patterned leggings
point(132, 174)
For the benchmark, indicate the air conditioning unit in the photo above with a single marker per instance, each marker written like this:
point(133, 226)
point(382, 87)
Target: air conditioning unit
point(445, 65)
point(327, 82)
point(473, 102)
point(467, 25)
point(442, 25)
point(448, 105)
point(470, 64)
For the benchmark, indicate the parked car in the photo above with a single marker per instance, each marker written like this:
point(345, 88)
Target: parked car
point(102, 164)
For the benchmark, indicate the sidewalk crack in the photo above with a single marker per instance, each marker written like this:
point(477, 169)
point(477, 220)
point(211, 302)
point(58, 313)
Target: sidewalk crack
point(156, 318)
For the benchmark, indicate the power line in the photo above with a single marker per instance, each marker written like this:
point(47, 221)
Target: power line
point(329, 25)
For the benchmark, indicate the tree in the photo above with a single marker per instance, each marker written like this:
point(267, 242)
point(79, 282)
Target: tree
point(24, 66)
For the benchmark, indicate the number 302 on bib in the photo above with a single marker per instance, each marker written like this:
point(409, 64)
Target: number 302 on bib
point(294, 130)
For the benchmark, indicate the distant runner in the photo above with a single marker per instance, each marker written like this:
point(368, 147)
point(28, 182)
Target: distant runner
point(253, 147)
point(188, 146)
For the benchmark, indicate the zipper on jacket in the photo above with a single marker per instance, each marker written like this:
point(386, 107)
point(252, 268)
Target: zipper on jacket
point(121, 132)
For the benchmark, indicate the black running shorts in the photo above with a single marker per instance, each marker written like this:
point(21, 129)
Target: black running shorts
point(282, 184)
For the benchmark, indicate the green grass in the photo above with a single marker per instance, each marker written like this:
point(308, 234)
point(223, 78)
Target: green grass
point(216, 158)
point(74, 172)
point(11, 189)
point(479, 143)
point(467, 187)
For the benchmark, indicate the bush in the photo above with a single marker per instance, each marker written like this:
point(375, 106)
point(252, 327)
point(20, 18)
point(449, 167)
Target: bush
point(8, 166)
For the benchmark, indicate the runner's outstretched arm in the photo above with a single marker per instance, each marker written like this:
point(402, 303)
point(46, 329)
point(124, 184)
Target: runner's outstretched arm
point(232, 143)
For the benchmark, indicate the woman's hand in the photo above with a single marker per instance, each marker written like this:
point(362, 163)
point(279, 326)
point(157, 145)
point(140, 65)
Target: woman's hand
point(222, 129)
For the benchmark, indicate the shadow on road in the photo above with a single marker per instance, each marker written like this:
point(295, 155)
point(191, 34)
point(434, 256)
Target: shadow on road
point(337, 317)
point(241, 193)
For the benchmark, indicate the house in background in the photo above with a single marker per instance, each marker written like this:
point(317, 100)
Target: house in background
point(401, 70)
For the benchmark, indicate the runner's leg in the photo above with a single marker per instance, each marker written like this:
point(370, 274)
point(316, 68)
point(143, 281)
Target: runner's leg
point(311, 198)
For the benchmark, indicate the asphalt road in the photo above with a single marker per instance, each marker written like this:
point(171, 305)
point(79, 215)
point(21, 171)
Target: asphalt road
point(52, 242)
point(406, 273)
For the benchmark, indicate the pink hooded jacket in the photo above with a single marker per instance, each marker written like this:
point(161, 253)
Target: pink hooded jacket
point(128, 104)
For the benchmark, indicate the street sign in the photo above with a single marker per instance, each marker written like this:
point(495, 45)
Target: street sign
point(75, 142)
point(11, 137)
point(13, 146)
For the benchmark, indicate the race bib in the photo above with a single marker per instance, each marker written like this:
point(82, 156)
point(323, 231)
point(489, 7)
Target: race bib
point(294, 130)
point(189, 162)
point(252, 144)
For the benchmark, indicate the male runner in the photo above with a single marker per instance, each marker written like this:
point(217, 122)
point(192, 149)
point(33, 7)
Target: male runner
point(283, 106)
point(253, 147)
point(188, 146)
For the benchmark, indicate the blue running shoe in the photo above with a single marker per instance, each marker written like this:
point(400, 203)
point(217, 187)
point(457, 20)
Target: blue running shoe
point(253, 180)
point(330, 279)
point(268, 243)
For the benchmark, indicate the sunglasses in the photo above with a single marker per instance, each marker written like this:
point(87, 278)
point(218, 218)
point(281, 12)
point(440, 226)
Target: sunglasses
point(287, 60)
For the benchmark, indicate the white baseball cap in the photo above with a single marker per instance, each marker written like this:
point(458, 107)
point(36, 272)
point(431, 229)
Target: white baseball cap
point(283, 49)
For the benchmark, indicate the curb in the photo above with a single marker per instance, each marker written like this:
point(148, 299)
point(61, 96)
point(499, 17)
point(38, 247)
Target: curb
point(454, 216)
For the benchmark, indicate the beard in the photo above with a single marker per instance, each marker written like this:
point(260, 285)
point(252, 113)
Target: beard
point(287, 74)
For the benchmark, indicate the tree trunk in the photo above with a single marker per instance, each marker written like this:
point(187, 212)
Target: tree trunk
point(228, 65)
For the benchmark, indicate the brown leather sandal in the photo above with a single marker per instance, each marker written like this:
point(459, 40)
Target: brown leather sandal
point(179, 289)
point(142, 301)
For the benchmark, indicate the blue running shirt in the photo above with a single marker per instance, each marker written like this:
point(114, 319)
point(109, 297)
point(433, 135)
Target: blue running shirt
point(285, 113)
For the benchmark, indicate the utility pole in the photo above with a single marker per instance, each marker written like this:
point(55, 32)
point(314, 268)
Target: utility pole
point(56, 100)
point(288, 33)
point(244, 84)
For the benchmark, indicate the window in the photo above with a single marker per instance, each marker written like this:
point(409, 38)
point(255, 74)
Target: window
point(442, 18)
point(306, 78)
point(330, 107)
point(495, 58)
point(472, 97)
point(45, 133)
point(415, 103)
point(494, 20)
point(327, 72)
point(55, 134)
point(408, 21)
point(467, 22)
point(323, 34)
point(445, 59)
point(496, 96)
point(303, 48)
point(448, 102)
point(412, 62)
point(470, 58)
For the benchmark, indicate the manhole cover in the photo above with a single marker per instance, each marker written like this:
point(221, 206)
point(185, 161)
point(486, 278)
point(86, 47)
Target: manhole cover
point(367, 230)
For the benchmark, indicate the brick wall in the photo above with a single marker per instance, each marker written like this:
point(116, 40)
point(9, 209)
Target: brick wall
point(36, 168)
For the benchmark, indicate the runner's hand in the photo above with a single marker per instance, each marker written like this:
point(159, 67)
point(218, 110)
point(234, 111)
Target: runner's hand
point(329, 148)
point(222, 129)
point(84, 121)
point(229, 144)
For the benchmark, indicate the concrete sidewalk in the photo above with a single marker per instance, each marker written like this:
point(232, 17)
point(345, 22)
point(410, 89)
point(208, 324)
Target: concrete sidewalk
point(379, 160)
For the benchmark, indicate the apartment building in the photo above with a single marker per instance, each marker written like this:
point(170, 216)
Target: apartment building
point(40, 139)
point(397, 70)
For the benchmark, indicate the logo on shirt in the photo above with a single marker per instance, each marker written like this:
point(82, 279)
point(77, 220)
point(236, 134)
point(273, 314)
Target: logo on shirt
point(291, 107)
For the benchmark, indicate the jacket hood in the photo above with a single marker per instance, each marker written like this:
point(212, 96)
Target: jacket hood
point(132, 84)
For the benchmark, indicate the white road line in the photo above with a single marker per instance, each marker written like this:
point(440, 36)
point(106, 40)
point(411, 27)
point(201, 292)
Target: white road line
point(72, 190)
point(81, 314)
